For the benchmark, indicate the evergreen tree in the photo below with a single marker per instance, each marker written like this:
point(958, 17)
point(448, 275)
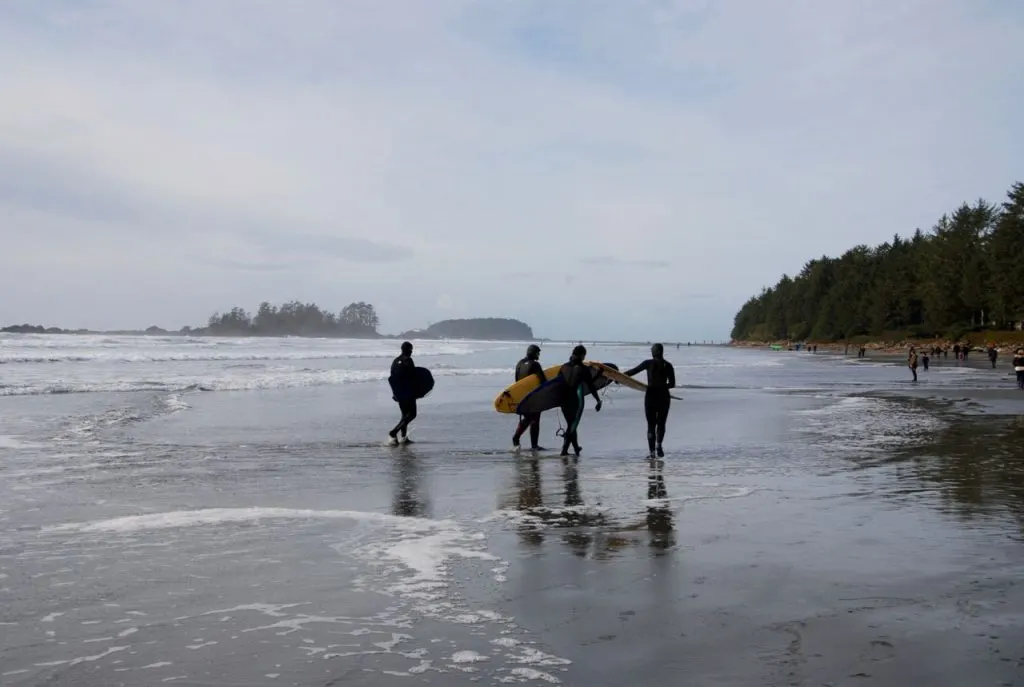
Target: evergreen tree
point(968, 272)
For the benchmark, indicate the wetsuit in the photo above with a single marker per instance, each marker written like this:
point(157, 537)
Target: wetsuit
point(525, 368)
point(578, 383)
point(1018, 366)
point(402, 371)
point(912, 363)
point(661, 377)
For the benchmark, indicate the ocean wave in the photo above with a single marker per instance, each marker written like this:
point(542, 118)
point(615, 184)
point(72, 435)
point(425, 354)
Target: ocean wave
point(861, 424)
point(280, 379)
point(121, 356)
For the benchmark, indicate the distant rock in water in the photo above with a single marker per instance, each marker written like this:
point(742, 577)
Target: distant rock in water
point(484, 328)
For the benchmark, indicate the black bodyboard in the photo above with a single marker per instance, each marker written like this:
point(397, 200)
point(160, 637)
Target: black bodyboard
point(423, 383)
point(551, 393)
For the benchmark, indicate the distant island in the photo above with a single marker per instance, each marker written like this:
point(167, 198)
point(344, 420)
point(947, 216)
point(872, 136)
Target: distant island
point(356, 320)
point(962, 281)
point(482, 328)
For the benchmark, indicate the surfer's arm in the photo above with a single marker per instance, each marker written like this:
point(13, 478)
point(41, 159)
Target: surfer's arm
point(539, 371)
point(671, 376)
point(639, 368)
point(589, 382)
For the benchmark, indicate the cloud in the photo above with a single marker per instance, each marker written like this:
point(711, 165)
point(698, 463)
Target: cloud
point(241, 265)
point(612, 261)
point(390, 152)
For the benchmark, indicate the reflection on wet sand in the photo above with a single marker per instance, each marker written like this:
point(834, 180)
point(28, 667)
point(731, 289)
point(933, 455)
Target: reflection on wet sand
point(977, 465)
point(530, 497)
point(409, 499)
point(587, 532)
point(659, 515)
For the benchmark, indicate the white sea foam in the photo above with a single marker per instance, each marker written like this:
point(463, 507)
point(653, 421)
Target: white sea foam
point(222, 380)
point(218, 516)
point(860, 424)
point(137, 349)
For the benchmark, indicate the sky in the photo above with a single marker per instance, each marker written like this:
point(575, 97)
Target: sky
point(597, 169)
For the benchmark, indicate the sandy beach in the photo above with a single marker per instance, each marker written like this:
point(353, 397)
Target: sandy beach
point(817, 520)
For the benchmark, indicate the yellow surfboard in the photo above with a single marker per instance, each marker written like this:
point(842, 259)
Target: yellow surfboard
point(620, 378)
point(508, 400)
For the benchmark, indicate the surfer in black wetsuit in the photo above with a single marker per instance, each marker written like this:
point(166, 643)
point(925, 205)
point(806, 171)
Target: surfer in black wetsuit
point(661, 377)
point(578, 383)
point(524, 368)
point(403, 378)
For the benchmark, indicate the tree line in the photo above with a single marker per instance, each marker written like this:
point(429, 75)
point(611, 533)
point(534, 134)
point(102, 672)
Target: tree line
point(966, 274)
point(296, 319)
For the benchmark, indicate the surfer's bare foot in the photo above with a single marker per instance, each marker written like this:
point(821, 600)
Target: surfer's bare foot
point(537, 448)
point(661, 451)
point(392, 441)
point(407, 440)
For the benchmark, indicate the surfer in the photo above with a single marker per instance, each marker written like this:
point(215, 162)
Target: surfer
point(524, 368)
point(578, 381)
point(403, 371)
point(661, 377)
point(1018, 367)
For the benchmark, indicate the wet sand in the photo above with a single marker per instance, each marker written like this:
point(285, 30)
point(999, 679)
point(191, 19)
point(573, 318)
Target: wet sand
point(870, 535)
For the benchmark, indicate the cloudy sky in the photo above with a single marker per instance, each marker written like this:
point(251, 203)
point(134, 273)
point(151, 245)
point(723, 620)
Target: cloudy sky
point(598, 169)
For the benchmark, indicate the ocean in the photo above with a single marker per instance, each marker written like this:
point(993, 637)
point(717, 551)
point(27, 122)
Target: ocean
point(217, 511)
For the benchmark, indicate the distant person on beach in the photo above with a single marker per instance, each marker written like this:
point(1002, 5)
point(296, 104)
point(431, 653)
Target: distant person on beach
point(661, 377)
point(577, 384)
point(993, 354)
point(524, 368)
point(924, 359)
point(912, 363)
point(1018, 367)
point(964, 350)
point(956, 351)
point(403, 371)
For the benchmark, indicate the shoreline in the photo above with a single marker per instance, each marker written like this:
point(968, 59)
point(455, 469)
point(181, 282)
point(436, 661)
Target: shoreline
point(1003, 345)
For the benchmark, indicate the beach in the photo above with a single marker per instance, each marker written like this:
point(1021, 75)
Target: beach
point(198, 511)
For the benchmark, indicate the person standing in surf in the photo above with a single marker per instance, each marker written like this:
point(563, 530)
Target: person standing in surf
point(661, 377)
point(403, 382)
point(912, 362)
point(578, 383)
point(524, 368)
point(1018, 367)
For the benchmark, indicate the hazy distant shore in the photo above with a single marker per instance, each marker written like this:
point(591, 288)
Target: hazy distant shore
point(481, 329)
point(1005, 341)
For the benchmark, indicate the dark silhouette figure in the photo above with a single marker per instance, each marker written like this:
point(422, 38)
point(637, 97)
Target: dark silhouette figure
point(578, 383)
point(524, 368)
point(661, 377)
point(1018, 366)
point(403, 373)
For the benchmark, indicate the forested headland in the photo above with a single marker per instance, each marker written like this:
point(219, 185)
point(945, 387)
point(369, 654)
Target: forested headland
point(964, 276)
point(480, 328)
point(294, 318)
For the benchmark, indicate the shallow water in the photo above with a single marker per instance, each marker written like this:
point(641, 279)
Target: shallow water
point(815, 521)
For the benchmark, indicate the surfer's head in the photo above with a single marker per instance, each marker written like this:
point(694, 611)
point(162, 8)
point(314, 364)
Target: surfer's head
point(580, 352)
point(533, 351)
point(406, 348)
point(657, 350)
